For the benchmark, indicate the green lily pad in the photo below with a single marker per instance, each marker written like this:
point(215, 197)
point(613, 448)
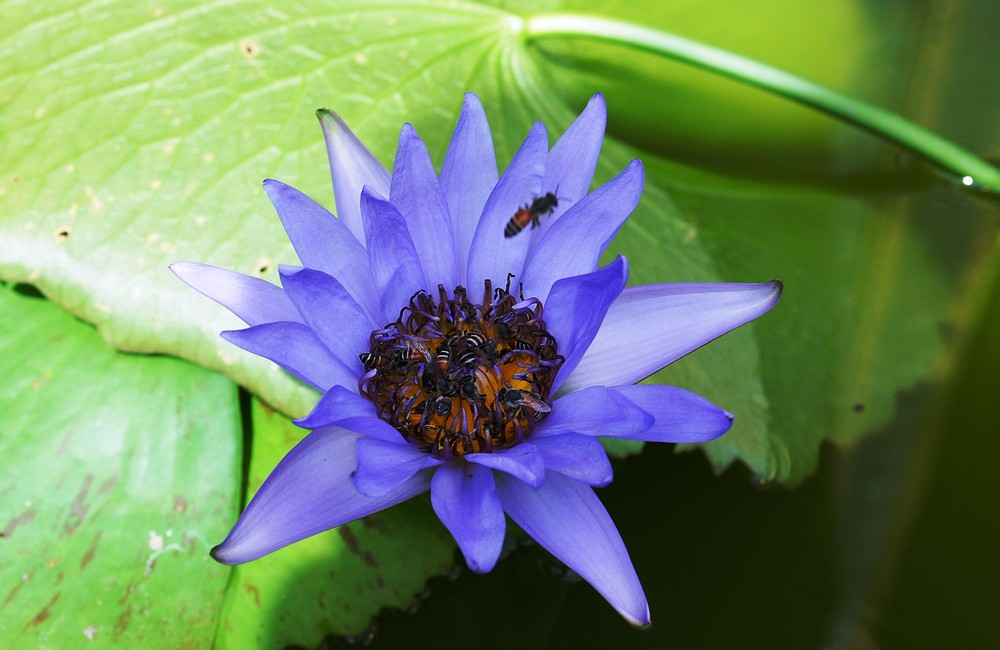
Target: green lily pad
point(117, 475)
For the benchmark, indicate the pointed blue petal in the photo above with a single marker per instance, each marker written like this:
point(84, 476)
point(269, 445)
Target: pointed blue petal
point(331, 313)
point(308, 492)
point(680, 415)
point(651, 326)
point(594, 411)
point(574, 244)
point(295, 348)
point(384, 466)
point(523, 461)
point(345, 408)
point(492, 255)
point(464, 499)
point(395, 265)
point(567, 518)
point(575, 309)
point(570, 167)
point(352, 167)
point(324, 243)
point(579, 457)
point(468, 176)
point(336, 404)
point(254, 300)
point(417, 195)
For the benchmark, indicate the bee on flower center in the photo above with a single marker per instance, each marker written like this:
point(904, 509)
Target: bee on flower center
point(484, 387)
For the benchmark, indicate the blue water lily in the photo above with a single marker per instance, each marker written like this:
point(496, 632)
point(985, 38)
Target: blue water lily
point(467, 342)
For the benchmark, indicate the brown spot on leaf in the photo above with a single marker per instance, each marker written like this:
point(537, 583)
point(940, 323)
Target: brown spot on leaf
point(19, 520)
point(64, 445)
point(108, 484)
point(78, 509)
point(180, 505)
point(42, 615)
point(253, 591)
point(13, 592)
point(126, 594)
point(249, 49)
point(62, 233)
point(352, 543)
point(89, 555)
point(123, 621)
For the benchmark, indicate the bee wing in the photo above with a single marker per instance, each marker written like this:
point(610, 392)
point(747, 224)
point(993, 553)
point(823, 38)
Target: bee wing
point(535, 403)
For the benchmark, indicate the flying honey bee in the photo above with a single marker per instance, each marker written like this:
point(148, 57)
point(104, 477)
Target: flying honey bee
point(531, 213)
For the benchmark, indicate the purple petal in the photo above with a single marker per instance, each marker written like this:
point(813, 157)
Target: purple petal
point(345, 408)
point(254, 300)
point(574, 244)
point(353, 167)
point(417, 195)
point(572, 161)
point(331, 313)
point(651, 326)
point(295, 348)
point(575, 309)
point(324, 243)
point(336, 404)
point(594, 411)
point(579, 457)
point(308, 492)
point(567, 518)
point(680, 415)
point(523, 461)
point(384, 466)
point(468, 175)
point(394, 262)
point(492, 255)
point(464, 499)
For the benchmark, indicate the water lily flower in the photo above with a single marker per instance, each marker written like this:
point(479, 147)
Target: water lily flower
point(466, 342)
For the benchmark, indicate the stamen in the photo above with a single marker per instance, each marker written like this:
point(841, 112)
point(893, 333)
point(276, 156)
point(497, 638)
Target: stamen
point(456, 378)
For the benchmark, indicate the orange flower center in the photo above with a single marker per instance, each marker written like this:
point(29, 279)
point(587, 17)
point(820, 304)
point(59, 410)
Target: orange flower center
point(455, 378)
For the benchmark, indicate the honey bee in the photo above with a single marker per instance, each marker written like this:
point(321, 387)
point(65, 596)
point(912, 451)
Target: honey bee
point(443, 358)
point(531, 213)
point(414, 348)
point(468, 359)
point(474, 340)
point(467, 386)
point(512, 399)
point(371, 360)
point(441, 406)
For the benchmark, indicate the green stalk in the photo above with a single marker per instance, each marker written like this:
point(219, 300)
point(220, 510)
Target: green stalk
point(973, 170)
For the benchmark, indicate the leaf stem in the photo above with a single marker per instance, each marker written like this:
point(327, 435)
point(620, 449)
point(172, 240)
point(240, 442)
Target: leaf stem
point(973, 170)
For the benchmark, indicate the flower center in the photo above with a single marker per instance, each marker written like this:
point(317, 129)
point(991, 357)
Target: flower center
point(454, 377)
